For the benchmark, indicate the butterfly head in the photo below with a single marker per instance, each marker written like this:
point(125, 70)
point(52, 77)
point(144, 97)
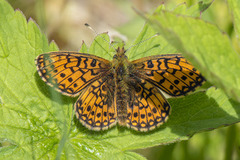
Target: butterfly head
point(120, 54)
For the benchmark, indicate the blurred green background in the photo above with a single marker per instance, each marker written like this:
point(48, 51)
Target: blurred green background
point(63, 21)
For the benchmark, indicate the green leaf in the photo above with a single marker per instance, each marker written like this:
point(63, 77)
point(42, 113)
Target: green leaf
point(24, 122)
point(84, 48)
point(149, 42)
point(194, 10)
point(205, 45)
point(100, 47)
point(53, 46)
point(234, 6)
point(39, 123)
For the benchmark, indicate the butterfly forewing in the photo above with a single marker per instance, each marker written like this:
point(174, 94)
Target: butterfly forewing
point(70, 72)
point(94, 108)
point(173, 74)
point(148, 108)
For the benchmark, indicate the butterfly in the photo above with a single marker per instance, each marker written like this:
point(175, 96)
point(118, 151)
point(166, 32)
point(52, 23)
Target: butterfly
point(119, 91)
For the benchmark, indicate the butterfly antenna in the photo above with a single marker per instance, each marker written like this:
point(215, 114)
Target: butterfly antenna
point(97, 34)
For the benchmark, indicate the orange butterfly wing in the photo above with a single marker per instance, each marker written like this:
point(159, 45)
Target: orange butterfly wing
point(172, 73)
point(70, 72)
point(148, 108)
point(95, 108)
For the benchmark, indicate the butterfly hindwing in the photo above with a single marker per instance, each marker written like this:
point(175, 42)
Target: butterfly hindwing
point(95, 108)
point(148, 108)
point(172, 73)
point(70, 72)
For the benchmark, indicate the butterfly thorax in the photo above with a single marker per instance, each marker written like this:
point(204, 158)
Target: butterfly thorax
point(120, 65)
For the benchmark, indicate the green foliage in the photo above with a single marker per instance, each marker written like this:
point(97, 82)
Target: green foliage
point(234, 8)
point(40, 123)
point(205, 45)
